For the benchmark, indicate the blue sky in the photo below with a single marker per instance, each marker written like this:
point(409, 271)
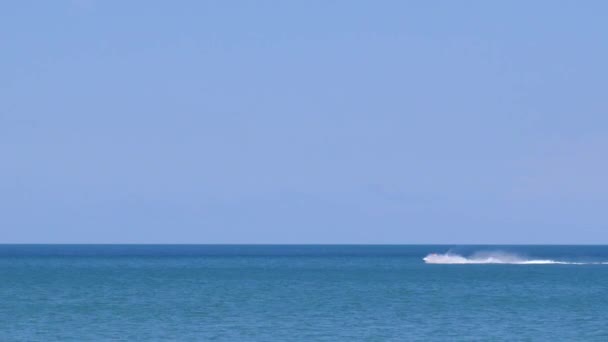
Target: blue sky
point(303, 122)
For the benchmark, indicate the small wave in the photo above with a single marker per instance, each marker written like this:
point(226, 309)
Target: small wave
point(495, 258)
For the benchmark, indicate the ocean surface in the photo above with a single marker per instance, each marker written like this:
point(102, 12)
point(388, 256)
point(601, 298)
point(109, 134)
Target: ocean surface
point(303, 293)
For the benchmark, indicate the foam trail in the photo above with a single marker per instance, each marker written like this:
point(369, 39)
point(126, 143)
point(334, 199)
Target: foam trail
point(493, 258)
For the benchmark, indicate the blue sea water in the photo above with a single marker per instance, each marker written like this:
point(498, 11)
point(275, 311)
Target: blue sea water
point(302, 293)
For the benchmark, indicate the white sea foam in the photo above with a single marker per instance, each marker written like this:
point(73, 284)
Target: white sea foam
point(494, 258)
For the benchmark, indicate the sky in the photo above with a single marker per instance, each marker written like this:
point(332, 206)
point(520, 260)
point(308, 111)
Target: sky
point(374, 122)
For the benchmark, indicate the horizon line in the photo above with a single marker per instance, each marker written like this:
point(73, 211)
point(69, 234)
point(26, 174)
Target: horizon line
point(293, 244)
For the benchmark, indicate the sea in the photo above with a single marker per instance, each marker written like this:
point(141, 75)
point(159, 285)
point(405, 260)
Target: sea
point(303, 293)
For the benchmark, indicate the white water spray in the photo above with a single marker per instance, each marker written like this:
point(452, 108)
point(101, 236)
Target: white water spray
point(493, 258)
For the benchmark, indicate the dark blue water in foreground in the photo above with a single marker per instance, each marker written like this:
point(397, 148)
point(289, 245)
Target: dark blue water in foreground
point(299, 293)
